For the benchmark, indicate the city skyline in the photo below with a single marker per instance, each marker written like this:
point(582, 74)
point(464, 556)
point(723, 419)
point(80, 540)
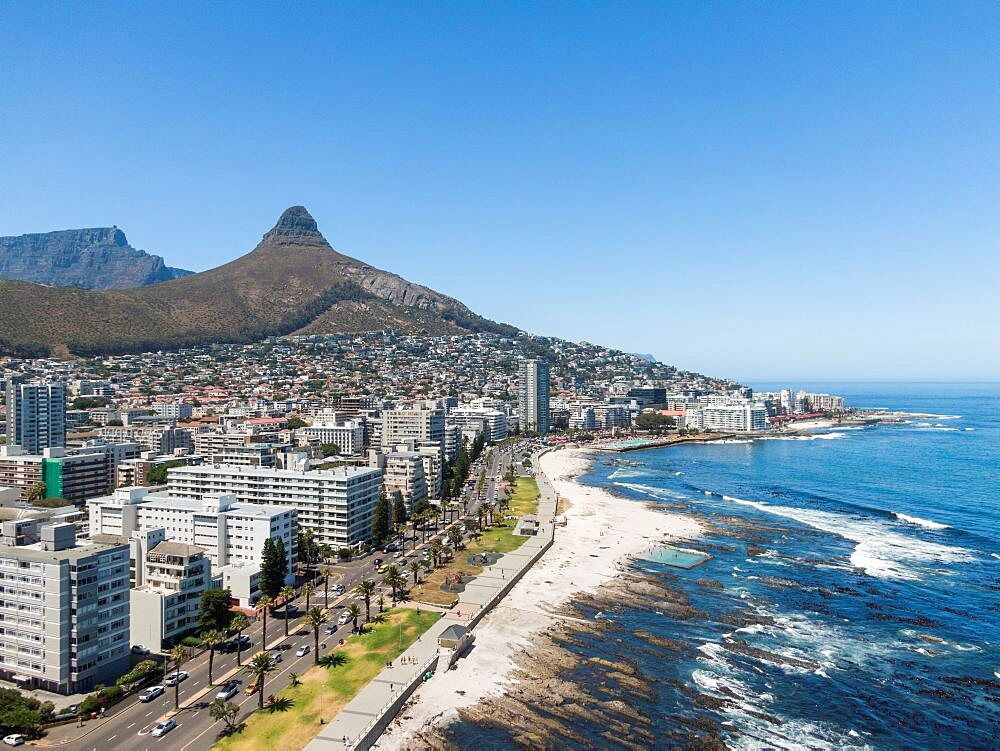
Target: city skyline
point(813, 199)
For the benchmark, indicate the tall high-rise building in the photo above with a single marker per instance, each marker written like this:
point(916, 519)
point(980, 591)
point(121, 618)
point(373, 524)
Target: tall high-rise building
point(36, 415)
point(534, 396)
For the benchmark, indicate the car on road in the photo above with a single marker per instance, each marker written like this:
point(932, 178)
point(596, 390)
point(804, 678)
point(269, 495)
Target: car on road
point(329, 629)
point(344, 618)
point(338, 589)
point(302, 651)
point(276, 655)
point(151, 693)
point(377, 562)
point(228, 690)
point(176, 677)
point(163, 728)
point(14, 739)
point(398, 554)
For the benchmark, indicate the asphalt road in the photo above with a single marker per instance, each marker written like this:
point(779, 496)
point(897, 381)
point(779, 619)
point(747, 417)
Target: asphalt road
point(129, 724)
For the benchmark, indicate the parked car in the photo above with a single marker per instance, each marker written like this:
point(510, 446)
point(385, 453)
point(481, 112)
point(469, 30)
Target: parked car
point(175, 678)
point(302, 651)
point(151, 693)
point(163, 728)
point(138, 649)
point(228, 690)
point(14, 739)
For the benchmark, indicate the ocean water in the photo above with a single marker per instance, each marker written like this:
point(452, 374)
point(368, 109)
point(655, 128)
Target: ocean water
point(859, 604)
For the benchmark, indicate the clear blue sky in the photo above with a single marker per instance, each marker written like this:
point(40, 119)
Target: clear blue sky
point(760, 190)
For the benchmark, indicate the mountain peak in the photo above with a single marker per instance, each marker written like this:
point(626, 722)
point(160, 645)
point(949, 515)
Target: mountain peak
point(295, 227)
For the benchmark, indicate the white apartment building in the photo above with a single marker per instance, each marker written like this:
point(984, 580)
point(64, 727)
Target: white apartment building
point(422, 423)
point(492, 423)
point(348, 436)
point(229, 531)
point(335, 504)
point(173, 410)
point(64, 608)
point(533, 396)
point(403, 471)
point(161, 439)
point(737, 418)
point(36, 415)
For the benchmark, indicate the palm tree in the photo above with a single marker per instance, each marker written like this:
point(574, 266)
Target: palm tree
point(381, 603)
point(308, 590)
point(209, 639)
point(391, 578)
point(178, 654)
point(415, 569)
point(287, 594)
point(481, 512)
point(354, 610)
point(239, 624)
point(220, 709)
point(326, 573)
point(259, 666)
point(315, 618)
point(263, 605)
point(366, 590)
point(455, 537)
point(436, 549)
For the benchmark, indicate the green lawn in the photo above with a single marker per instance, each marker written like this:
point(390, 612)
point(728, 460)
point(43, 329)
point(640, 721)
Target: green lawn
point(325, 691)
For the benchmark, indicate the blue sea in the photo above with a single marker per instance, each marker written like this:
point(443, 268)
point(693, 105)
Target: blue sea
point(859, 604)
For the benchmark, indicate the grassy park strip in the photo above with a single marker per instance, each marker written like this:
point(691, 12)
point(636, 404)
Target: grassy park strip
point(323, 691)
point(499, 538)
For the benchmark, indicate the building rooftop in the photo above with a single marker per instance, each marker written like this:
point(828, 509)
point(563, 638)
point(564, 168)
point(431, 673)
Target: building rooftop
point(335, 473)
point(34, 552)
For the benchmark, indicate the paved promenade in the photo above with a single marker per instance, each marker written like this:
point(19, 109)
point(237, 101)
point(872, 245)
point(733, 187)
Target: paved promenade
point(362, 721)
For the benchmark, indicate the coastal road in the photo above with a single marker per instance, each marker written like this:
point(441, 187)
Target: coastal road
point(129, 724)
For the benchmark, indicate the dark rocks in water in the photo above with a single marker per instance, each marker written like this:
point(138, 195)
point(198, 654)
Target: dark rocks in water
point(710, 584)
point(755, 550)
point(99, 258)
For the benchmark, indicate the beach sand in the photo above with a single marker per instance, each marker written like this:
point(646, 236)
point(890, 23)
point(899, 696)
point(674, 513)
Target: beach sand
point(602, 531)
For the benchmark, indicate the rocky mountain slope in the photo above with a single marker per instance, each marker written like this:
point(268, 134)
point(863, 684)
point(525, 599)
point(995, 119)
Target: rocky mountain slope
point(292, 282)
point(98, 258)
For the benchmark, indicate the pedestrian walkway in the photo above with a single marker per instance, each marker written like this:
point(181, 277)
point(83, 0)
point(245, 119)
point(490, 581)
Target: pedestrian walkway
point(362, 721)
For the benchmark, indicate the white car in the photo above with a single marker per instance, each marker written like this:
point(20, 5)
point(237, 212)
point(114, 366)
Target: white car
point(15, 739)
point(228, 690)
point(344, 618)
point(177, 677)
point(163, 728)
point(302, 651)
point(151, 693)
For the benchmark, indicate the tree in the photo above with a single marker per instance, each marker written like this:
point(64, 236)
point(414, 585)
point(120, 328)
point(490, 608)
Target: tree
point(307, 547)
point(287, 594)
point(330, 449)
point(307, 591)
point(294, 423)
point(271, 564)
point(399, 515)
point(224, 711)
point(381, 603)
point(391, 578)
point(178, 654)
point(366, 590)
point(239, 624)
point(22, 714)
point(36, 492)
point(259, 666)
point(354, 610)
point(263, 605)
point(282, 555)
point(326, 573)
point(315, 619)
point(380, 519)
point(455, 537)
point(209, 640)
point(415, 569)
point(157, 474)
point(654, 421)
point(214, 613)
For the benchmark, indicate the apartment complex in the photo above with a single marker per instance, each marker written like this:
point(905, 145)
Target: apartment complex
point(347, 435)
point(228, 530)
point(335, 504)
point(492, 423)
point(402, 471)
point(36, 415)
point(423, 423)
point(64, 608)
point(738, 418)
point(533, 396)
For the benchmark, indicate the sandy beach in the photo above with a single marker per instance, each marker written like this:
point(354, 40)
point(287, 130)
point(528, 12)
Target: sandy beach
point(602, 531)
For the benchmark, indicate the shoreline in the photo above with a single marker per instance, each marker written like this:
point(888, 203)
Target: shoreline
point(603, 531)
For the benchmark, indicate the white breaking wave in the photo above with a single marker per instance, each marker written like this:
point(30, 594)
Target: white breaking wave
point(880, 551)
point(921, 522)
point(811, 437)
